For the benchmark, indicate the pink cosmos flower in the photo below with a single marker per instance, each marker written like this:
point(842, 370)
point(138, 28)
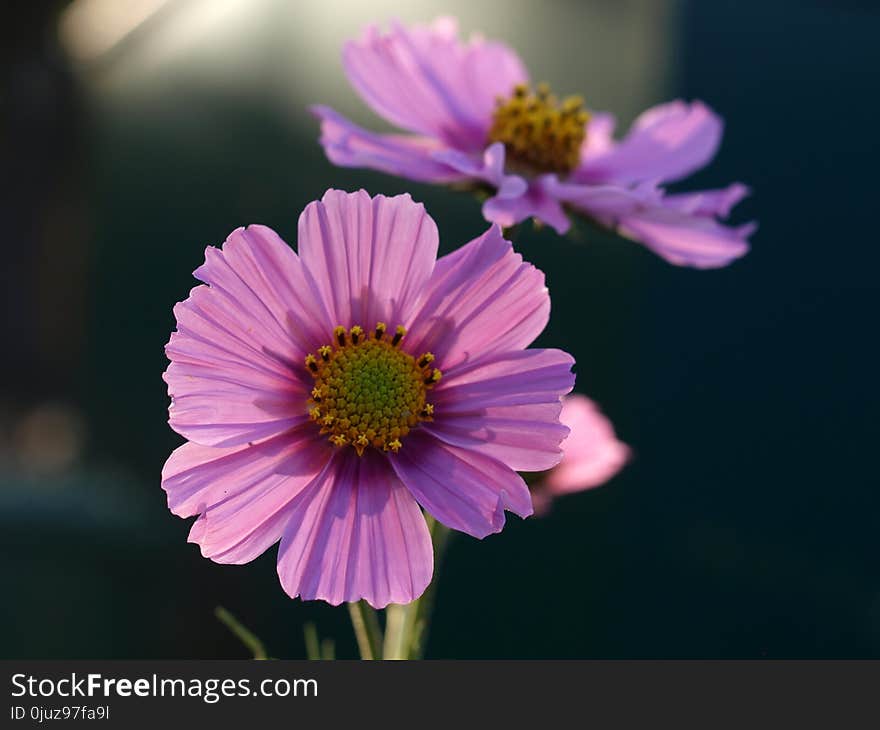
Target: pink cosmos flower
point(309, 389)
point(592, 453)
point(472, 119)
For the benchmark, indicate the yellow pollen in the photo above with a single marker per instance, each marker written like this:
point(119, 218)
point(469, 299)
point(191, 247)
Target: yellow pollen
point(368, 391)
point(540, 134)
point(361, 443)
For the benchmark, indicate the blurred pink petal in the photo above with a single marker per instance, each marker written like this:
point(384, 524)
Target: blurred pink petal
point(665, 143)
point(488, 169)
point(680, 228)
point(709, 202)
point(687, 240)
point(416, 158)
point(536, 202)
point(592, 453)
point(423, 79)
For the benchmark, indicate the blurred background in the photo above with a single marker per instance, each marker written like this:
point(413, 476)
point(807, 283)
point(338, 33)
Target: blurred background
point(135, 133)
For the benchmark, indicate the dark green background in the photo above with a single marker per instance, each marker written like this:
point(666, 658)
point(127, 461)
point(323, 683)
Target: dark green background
point(746, 526)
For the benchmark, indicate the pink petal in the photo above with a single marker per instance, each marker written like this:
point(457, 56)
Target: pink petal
point(481, 299)
point(679, 227)
point(356, 532)
point(242, 494)
point(371, 257)
point(708, 202)
point(236, 374)
point(599, 137)
point(424, 79)
point(463, 489)
point(592, 453)
point(506, 407)
point(536, 203)
point(349, 145)
point(666, 143)
point(606, 203)
point(687, 240)
point(488, 168)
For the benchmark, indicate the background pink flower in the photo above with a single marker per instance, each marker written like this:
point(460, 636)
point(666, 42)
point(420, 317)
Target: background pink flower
point(470, 117)
point(324, 396)
point(592, 454)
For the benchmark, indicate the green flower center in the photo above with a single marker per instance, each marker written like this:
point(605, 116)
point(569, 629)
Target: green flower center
point(368, 392)
point(540, 134)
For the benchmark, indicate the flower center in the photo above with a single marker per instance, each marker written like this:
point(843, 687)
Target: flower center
point(540, 134)
point(368, 392)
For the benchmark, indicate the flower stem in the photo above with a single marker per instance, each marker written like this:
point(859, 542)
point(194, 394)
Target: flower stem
point(244, 635)
point(313, 646)
point(328, 649)
point(440, 537)
point(406, 626)
point(400, 622)
point(366, 629)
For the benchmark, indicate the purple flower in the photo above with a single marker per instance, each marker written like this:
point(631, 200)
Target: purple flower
point(472, 119)
point(309, 390)
point(592, 453)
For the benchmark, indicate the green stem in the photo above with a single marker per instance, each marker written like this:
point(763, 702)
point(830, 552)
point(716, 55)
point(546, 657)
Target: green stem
point(406, 627)
point(400, 621)
point(366, 630)
point(310, 634)
point(244, 635)
point(328, 649)
point(440, 535)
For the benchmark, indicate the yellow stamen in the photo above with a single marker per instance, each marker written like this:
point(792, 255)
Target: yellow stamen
point(540, 134)
point(371, 393)
point(361, 443)
point(433, 378)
